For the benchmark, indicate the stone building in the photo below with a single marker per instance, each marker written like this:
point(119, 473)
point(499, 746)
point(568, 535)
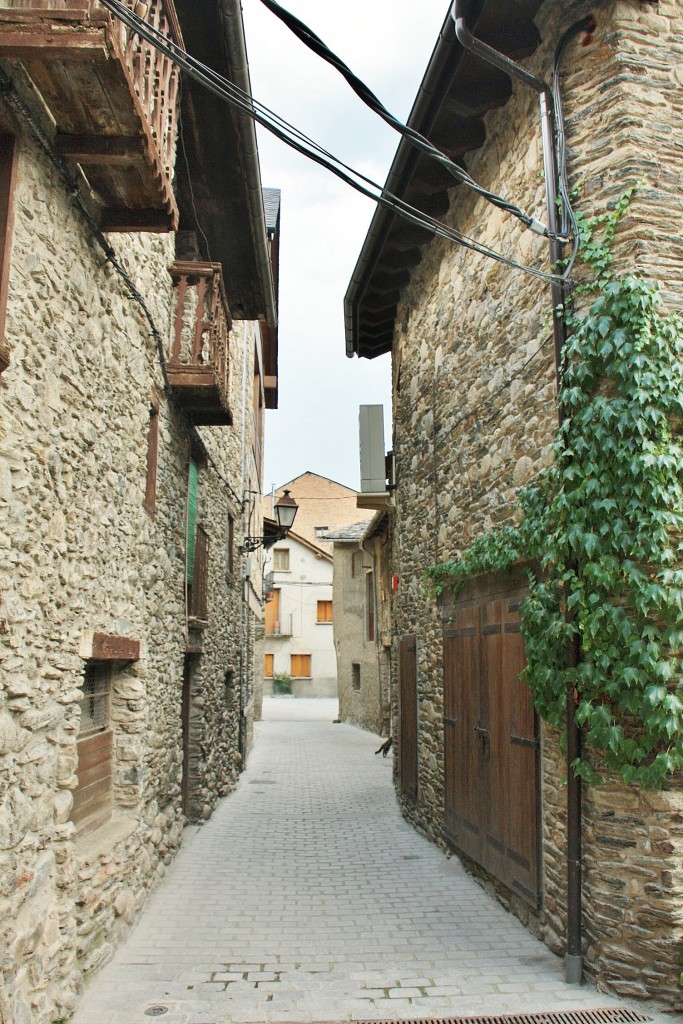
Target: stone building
point(475, 413)
point(138, 349)
point(362, 623)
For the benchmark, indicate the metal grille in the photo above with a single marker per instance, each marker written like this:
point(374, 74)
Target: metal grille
point(94, 703)
point(607, 1016)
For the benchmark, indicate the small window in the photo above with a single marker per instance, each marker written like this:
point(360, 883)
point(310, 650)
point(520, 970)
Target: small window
point(356, 563)
point(355, 675)
point(324, 611)
point(281, 559)
point(230, 561)
point(268, 665)
point(370, 606)
point(321, 531)
point(92, 804)
point(8, 164)
point(152, 457)
point(301, 666)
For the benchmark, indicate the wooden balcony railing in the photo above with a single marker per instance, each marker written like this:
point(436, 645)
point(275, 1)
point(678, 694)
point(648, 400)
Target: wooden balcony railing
point(198, 363)
point(114, 99)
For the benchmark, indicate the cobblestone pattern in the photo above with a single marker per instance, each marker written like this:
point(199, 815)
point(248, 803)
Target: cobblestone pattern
point(79, 553)
point(467, 435)
point(343, 911)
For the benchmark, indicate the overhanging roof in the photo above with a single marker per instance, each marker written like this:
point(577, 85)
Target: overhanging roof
point(456, 92)
point(218, 176)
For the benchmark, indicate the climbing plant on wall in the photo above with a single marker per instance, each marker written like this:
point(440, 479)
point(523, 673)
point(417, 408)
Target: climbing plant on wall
point(606, 524)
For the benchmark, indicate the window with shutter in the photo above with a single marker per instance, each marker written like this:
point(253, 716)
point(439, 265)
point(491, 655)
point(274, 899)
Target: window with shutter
point(8, 163)
point(191, 523)
point(152, 456)
point(268, 665)
point(324, 611)
point(301, 666)
point(92, 804)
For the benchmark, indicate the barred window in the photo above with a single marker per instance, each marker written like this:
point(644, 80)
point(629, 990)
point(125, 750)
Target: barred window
point(94, 703)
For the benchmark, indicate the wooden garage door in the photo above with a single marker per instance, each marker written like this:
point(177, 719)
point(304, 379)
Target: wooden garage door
point(491, 752)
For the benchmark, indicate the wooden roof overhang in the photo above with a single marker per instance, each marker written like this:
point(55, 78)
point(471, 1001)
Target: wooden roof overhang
point(456, 92)
point(218, 182)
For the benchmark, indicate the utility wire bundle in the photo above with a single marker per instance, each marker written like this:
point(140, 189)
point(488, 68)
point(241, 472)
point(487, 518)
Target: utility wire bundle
point(297, 140)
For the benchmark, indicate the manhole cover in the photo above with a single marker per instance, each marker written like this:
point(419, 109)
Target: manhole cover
point(156, 1011)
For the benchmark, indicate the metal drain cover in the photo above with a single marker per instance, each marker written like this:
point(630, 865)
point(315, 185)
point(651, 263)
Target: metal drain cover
point(607, 1016)
point(156, 1011)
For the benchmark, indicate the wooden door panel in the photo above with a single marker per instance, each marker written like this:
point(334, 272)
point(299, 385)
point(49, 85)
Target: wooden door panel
point(464, 790)
point(491, 760)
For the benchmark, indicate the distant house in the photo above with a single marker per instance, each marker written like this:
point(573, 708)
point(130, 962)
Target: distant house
point(298, 618)
point(323, 504)
point(362, 623)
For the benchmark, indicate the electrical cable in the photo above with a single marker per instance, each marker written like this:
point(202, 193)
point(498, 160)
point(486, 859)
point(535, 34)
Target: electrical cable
point(569, 224)
point(70, 179)
point(315, 43)
point(226, 91)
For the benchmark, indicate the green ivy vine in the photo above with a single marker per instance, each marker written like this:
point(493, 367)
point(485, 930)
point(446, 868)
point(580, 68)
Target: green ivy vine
point(606, 524)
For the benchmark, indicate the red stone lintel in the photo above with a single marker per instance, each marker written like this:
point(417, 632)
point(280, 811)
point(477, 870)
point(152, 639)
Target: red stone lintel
point(106, 647)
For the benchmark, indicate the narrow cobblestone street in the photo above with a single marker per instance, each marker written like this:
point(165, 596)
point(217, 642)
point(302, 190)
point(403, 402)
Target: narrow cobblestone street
point(307, 897)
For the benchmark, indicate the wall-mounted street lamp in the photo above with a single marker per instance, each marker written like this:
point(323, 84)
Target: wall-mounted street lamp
point(285, 511)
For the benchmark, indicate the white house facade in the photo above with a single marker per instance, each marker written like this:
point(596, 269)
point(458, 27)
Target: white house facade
point(298, 640)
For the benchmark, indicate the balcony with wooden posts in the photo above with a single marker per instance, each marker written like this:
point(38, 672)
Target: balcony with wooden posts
point(198, 364)
point(113, 98)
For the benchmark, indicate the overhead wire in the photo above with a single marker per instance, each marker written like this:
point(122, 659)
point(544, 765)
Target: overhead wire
point(315, 43)
point(297, 140)
point(569, 224)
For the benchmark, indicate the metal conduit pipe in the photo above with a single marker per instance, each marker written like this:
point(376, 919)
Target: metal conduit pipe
point(573, 957)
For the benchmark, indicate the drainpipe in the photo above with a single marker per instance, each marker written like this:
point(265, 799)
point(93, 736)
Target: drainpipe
point(573, 957)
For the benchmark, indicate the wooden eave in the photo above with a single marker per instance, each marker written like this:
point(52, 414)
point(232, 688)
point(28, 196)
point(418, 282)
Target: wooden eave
point(214, 177)
point(457, 91)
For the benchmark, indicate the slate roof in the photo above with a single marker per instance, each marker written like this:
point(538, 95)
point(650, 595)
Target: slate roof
point(271, 205)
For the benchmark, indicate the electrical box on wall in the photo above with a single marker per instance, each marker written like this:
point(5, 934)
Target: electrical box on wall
point(372, 454)
point(374, 492)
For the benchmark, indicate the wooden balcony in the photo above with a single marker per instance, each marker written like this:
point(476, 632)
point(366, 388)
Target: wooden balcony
point(113, 97)
point(198, 363)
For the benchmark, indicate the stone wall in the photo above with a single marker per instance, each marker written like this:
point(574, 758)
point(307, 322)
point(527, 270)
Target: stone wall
point(474, 415)
point(78, 553)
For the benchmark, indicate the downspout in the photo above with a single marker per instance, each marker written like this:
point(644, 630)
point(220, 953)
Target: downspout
point(232, 26)
point(573, 957)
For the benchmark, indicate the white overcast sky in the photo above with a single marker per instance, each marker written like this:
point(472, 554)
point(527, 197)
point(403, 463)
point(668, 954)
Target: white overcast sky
point(387, 43)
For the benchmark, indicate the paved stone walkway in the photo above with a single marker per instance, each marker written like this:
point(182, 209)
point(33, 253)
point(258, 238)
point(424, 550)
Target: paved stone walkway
point(307, 897)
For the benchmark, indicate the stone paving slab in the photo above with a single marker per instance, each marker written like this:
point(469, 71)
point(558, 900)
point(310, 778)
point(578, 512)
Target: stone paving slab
point(307, 898)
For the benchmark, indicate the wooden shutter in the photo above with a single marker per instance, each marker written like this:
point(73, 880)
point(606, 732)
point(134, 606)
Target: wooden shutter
point(408, 716)
point(268, 665)
point(8, 163)
point(272, 614)
point(92, 804)
point(301, 666)
point(152, 456)
point(324, 611)
point(191, 520)
point(199, 604)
